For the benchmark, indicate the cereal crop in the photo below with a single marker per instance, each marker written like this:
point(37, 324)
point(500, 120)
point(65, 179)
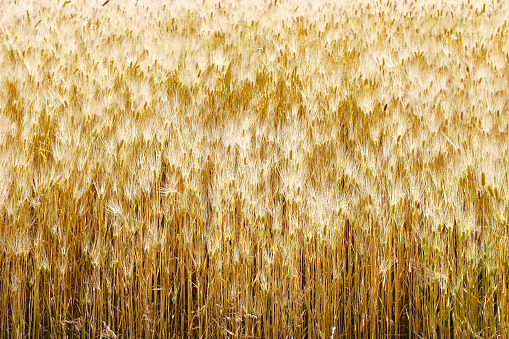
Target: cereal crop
point(254, 169)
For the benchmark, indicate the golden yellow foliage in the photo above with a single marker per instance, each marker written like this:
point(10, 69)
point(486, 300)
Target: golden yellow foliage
point(254, 169)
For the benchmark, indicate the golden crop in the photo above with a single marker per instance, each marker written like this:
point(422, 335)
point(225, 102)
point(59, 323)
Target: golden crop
point(254, 169)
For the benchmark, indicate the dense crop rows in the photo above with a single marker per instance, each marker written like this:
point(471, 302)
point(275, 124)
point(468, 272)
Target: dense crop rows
point(239, 169)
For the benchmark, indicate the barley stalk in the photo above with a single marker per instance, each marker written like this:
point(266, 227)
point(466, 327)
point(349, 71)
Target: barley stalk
point(279, 169)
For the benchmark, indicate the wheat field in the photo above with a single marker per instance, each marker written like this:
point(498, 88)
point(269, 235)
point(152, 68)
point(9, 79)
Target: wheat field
point(241, 169)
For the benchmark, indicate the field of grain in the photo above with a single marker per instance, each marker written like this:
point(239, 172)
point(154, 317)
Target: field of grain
point(242, 169)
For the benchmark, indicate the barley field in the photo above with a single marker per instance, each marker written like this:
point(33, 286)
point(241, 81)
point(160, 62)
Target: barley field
point(240, 169)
